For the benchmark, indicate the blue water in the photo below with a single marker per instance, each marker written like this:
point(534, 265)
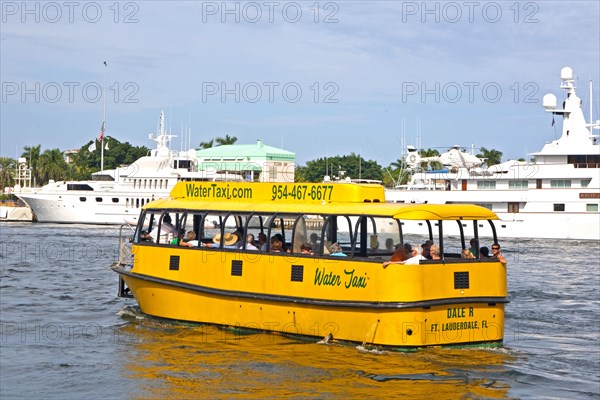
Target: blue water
point(65, 335)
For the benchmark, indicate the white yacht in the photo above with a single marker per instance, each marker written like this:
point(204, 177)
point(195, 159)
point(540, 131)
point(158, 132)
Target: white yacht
point(17, 211)
point(556, 195)
point(114, 197)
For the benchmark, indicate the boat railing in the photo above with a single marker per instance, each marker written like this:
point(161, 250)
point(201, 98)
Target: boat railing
point(125, 252)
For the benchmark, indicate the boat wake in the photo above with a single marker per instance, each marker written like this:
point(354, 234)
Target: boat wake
point(131, 312)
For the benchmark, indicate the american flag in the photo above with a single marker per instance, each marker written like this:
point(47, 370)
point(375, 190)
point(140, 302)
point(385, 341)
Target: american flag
point(101, 134)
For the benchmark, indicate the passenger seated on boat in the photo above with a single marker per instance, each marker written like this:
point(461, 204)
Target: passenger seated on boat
point(474, 247)
point(250, 243)
point(485, 252)
point(336, 250)
point(434, 251)
point(166, 228)
point(400, 253)
point(276, 244)
point(466, 253)
point(306, 249)
point(262, 242)
point(426, 248)
point(239, 232)
point(190, 240)
point(497, 254)
point(229, 241)
point(314, 240)
point(284, 247)
point(179, 238)
point(415, 258)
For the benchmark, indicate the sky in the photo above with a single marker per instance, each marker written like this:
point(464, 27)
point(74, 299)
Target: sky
point(318, 78)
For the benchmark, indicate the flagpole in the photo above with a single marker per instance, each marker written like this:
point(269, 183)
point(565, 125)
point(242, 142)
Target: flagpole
point(103, 120)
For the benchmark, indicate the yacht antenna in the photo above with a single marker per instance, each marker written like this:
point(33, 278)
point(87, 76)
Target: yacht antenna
point(103, 129)
point(418, 132)
point(591, 110)
point(359, 164)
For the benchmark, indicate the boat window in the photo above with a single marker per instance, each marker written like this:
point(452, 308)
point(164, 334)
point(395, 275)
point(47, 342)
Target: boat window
point(591, 207)
point(255, 225)
point(376, 237)
point(158, 226)
point(337, 229)
point(79, 186)
point(485, 184)
point(516, 185)
point(299, 236)
point(281, 224)
point(559, 207)
point(486, 205)
point(585, 183)
point(115, 199)
point(99, 199)
point(560, 183)
point(82, 199)
point(314, 230)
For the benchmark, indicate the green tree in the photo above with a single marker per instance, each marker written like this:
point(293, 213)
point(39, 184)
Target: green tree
point(340, 167)
point(85, 162)
point(226, 140)
point(207, 145)
point(32, 154)
point(52, 165)
point(7, 172)
point(396, 173)
point(492, 156)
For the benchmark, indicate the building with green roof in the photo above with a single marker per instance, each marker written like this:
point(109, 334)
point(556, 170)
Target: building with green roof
point(255, 162)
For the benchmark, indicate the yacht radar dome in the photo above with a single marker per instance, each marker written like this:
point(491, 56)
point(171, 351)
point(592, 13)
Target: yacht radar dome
point(566, 74)
point(549, 102)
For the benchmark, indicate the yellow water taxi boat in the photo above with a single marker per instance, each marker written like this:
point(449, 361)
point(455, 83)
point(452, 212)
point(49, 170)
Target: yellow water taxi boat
point(322, 274)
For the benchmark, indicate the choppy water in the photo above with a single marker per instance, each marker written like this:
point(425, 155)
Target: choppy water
point(65, 335)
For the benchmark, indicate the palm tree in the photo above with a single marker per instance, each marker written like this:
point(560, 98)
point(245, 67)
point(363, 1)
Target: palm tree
point(492, 156)
point(7, 172)
point(398, 164)
point(207, 145)
point(52, 165)
point(430, 153)
point(32, 154)
point(226, 140)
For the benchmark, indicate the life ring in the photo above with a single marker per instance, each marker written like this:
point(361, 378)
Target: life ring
point(412, 158)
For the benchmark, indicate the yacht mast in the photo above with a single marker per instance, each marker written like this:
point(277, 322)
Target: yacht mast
point(103, 120)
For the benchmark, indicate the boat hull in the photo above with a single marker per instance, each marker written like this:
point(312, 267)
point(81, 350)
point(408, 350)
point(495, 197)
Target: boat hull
point(68, 209)
point(15, 214)
point(534, 218)
point(403, 306)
